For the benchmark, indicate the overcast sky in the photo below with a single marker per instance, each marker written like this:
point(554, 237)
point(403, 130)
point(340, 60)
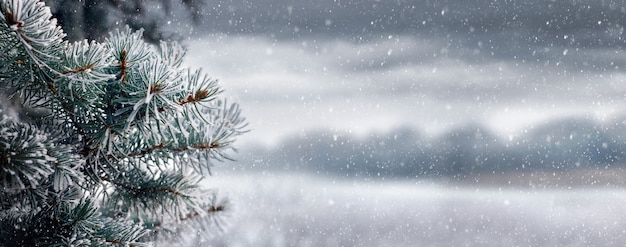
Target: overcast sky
point(363, 66)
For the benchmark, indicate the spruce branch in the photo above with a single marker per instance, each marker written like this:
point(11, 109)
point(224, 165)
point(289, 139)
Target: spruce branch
point(24, 159)
point(121, 233)
point(124, 136)
point(208, 218)
point(162, 148)
point(37, 32)
point(168, 192)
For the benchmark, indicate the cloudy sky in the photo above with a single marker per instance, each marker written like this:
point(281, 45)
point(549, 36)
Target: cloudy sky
point(372, 66)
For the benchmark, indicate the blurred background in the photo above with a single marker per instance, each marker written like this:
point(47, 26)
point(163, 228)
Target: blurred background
point(406, 123)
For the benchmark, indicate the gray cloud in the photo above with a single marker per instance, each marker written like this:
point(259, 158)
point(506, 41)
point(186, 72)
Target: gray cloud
point(518, 30)
point(363, 65)
point(387, 82)
point(540, 20)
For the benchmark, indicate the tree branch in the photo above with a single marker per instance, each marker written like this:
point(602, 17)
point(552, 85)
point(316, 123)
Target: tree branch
point(161, 146)
point(115, 241)
point(142, 190)
point(211, 210)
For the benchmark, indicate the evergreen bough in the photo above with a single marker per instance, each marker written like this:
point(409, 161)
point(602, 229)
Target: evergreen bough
point(113, 141)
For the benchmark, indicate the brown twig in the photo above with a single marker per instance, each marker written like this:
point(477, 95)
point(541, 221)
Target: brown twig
point(211, 210)
point(123, 64)
point(78, 70)
point(192, 98)
point(212, 145)
point(12, 21)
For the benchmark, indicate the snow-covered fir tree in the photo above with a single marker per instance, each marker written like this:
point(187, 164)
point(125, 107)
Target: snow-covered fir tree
point(112, 139)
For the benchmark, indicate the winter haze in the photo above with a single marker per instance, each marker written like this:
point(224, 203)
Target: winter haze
point(374, 65)
point(409, 123)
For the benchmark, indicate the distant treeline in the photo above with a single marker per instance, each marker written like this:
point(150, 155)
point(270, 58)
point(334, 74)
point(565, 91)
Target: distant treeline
point(467, 151)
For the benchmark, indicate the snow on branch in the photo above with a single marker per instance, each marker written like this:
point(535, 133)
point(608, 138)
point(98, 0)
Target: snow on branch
point(119, 134)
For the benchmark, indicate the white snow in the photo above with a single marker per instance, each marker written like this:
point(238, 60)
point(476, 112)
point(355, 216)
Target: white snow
point(297, 210)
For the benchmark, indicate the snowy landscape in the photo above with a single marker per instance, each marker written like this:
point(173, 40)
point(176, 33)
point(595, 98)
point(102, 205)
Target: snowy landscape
point(303, 210)
point(357, 123)
point(406, 123)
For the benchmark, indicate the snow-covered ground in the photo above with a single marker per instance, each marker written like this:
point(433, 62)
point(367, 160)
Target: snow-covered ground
point(303, 210)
